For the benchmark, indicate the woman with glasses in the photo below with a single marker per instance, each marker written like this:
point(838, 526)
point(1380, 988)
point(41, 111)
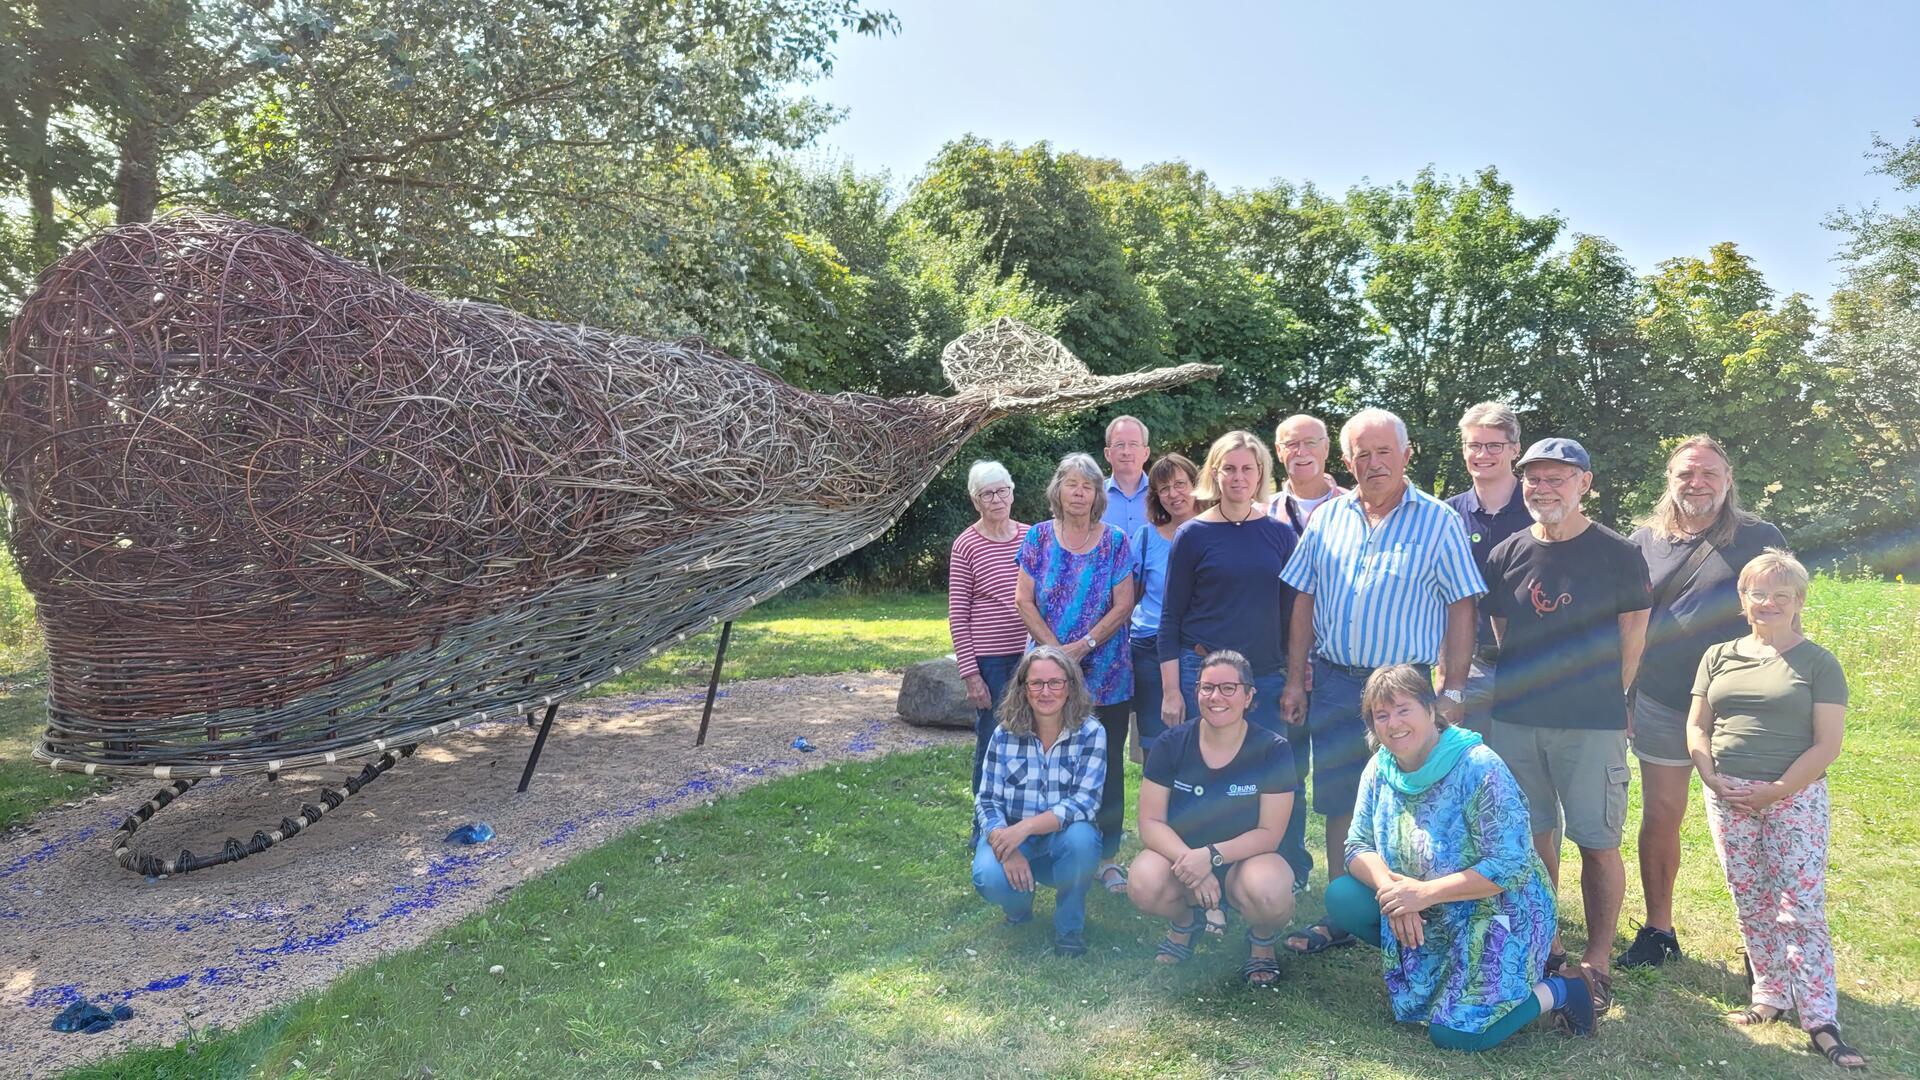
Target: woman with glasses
point(1170, 504)
point(988, 635)
point(1075, 593)
point(1045, 769)
point(1768, 717)
point(1214, 801)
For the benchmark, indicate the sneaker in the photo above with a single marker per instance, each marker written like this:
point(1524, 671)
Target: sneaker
point(1069, 945)
point(1650, 949)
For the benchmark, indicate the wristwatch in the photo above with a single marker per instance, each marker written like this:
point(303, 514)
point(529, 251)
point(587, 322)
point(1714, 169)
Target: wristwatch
point(1092, 643)
point(1456, 696)
point(1218, 859)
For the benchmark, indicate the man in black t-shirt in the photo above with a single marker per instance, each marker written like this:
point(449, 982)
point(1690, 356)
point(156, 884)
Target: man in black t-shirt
point(1699, 537)
point(1568, 598)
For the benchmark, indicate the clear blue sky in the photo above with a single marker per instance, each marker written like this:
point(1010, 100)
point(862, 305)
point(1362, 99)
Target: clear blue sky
point(1663, 127)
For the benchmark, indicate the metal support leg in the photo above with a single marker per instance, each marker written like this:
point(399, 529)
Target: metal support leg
point(713, 684)
point(539, 743)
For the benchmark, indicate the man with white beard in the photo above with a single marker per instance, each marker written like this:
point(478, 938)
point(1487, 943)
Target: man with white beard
point(1569, 598)
point(1696, 541)
point(1300, 446)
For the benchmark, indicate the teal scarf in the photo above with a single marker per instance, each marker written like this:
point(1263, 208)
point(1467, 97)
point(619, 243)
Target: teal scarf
point(1454, 741)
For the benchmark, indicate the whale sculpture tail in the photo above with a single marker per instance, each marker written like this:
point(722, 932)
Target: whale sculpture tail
point(1017, 369)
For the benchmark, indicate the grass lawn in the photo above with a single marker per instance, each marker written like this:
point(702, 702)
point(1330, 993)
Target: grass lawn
point(823, 925)
point(812, 636)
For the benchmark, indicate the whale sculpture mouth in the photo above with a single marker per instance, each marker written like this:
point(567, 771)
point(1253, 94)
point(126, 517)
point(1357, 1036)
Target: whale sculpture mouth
point(277, 509)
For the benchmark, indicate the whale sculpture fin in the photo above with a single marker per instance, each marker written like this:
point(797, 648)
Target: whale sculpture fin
point(1019, 369)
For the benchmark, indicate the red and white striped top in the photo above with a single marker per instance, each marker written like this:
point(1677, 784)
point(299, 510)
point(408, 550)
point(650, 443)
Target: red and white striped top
point(981, 577)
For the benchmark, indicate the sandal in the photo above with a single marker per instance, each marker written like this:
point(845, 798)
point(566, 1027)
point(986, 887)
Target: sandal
point(1174, 952)
point(1837, 1049)
point(1216, 922)
point(1258, 966)
point(1555, 961)
point(1751, 1016)
point(1319, 937)
point(1113, 878)
point(1602, 984)
point(1579, 1017)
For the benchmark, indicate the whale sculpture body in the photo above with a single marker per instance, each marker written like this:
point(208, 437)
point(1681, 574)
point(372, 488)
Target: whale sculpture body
point(278, 509)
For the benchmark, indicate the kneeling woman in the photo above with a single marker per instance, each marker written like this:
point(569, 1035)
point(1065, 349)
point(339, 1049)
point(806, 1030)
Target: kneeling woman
point(1214, 800)
point(1040, 787)
point(1442, 876)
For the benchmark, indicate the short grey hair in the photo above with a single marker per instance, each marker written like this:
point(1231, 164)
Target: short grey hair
point(1493, 414)
point(984, 474)
point(1145, 436)
point(1367, 418)
point(1295, 419)
point(1082, 464)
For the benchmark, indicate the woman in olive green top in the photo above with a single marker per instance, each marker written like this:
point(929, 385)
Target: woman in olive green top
point(1769, 710)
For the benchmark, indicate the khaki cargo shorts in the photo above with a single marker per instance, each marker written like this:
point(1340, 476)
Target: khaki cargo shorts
point(1571, 775)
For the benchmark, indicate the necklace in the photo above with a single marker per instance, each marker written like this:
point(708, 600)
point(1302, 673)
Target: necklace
point(1252, 508)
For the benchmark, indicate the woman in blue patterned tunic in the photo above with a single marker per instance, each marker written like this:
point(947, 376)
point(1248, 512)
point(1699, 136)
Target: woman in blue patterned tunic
point(1442, 876)
point(1076, 592)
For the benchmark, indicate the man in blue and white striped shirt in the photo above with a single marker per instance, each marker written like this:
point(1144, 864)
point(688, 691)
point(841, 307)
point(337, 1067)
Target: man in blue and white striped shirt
point(1386, 576)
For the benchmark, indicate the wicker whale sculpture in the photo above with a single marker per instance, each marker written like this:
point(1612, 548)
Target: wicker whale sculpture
point(279, 510)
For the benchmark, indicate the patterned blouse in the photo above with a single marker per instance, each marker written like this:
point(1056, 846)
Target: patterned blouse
point(1481, 957)
point(1073, 592)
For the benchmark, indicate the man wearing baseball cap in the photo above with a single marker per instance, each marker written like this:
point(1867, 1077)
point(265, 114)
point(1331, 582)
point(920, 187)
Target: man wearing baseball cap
point(1569, 600)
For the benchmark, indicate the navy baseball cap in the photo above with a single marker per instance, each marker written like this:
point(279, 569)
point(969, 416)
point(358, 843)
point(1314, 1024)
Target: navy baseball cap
point(1565, 451)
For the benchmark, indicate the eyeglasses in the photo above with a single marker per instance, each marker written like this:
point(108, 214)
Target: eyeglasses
point(1756, 596)
point(1049, 685)
point(1209, 689)
point(1485, 447)
point(1556, 482)
point(1300, 444)
point(1126, 446)
point(996, 494)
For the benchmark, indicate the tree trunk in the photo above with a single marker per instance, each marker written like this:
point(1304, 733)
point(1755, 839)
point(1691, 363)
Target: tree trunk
point(136, 185)
point(46, 228)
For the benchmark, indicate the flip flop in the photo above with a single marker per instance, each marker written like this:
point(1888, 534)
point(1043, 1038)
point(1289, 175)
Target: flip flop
point(1320, 937)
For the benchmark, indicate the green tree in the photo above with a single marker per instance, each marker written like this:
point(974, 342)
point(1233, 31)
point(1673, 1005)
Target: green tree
point(1458, 281)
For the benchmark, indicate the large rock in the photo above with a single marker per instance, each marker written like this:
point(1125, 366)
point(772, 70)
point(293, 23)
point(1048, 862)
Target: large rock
point(932, 695)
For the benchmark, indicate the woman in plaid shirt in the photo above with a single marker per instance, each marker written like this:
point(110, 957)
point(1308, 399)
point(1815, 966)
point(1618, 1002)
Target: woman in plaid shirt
point(1039, 790)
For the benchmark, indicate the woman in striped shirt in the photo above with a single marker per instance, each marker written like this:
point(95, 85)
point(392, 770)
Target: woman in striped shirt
point(988, 636)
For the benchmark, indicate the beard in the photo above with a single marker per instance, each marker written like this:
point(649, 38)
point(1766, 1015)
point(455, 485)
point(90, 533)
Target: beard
point(1701, 506)
point(1548, 515)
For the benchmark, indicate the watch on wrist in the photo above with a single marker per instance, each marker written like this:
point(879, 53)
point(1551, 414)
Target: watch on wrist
point(1092, 643)
point(1218, 859)
point(1456, 696)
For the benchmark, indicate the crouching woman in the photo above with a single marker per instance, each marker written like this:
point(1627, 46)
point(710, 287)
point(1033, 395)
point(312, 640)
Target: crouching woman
point(1040, 788)
point(1214, 800)
point(1442, 876)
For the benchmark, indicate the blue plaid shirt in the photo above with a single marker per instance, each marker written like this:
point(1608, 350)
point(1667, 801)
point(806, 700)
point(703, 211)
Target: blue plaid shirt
point(1020, 779)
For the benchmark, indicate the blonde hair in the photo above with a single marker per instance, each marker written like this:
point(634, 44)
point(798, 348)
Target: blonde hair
point(1664, 518)
point(1775, 565)
point(1493, 414)
point(1400, 680)
point(1016, 712)
point(1208, 488)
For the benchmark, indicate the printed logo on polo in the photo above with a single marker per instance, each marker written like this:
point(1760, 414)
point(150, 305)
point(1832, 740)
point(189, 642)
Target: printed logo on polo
point(1182, 785)
point(1242, 789)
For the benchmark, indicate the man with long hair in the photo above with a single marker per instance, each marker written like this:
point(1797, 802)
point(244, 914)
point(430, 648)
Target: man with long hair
point(1695, 542)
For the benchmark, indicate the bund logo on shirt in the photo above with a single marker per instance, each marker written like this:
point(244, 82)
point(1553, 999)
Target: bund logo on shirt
point(1242, 789)
point(1544, 602)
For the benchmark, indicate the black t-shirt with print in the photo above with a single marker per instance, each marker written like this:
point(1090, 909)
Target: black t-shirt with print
point(1210, 806)
point(1704, 611)
point(1560, 654)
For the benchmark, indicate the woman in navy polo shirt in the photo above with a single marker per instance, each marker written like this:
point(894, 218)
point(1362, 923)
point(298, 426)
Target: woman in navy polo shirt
point(1214, 801)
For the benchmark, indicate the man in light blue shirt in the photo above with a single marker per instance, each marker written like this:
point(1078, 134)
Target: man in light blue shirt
point(1127, 453)
point(1386, 576)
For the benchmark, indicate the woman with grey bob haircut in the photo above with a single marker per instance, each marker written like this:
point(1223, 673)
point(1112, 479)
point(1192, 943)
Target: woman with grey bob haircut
point(1076, 593)
point(982, 610)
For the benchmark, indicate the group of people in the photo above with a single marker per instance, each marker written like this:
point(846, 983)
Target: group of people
point(1460, 680)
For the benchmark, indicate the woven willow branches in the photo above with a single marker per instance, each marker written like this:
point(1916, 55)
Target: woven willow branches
point(278, 509)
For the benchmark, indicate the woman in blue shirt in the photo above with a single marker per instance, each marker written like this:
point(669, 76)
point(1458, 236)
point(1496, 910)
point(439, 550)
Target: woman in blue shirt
point(1442, 876)
point(1214, 801)
point(1224, 592)
point(1170, 504)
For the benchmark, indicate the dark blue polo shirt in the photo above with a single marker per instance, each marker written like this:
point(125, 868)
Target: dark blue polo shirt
point(1485, 529)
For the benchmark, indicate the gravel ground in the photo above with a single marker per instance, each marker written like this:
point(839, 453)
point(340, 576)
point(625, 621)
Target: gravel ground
point(221, 946)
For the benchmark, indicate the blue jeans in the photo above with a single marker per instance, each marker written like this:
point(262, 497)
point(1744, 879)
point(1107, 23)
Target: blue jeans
point(1265, 713)
point(1146, 689)
point(995, 671)
point(1063, 860)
